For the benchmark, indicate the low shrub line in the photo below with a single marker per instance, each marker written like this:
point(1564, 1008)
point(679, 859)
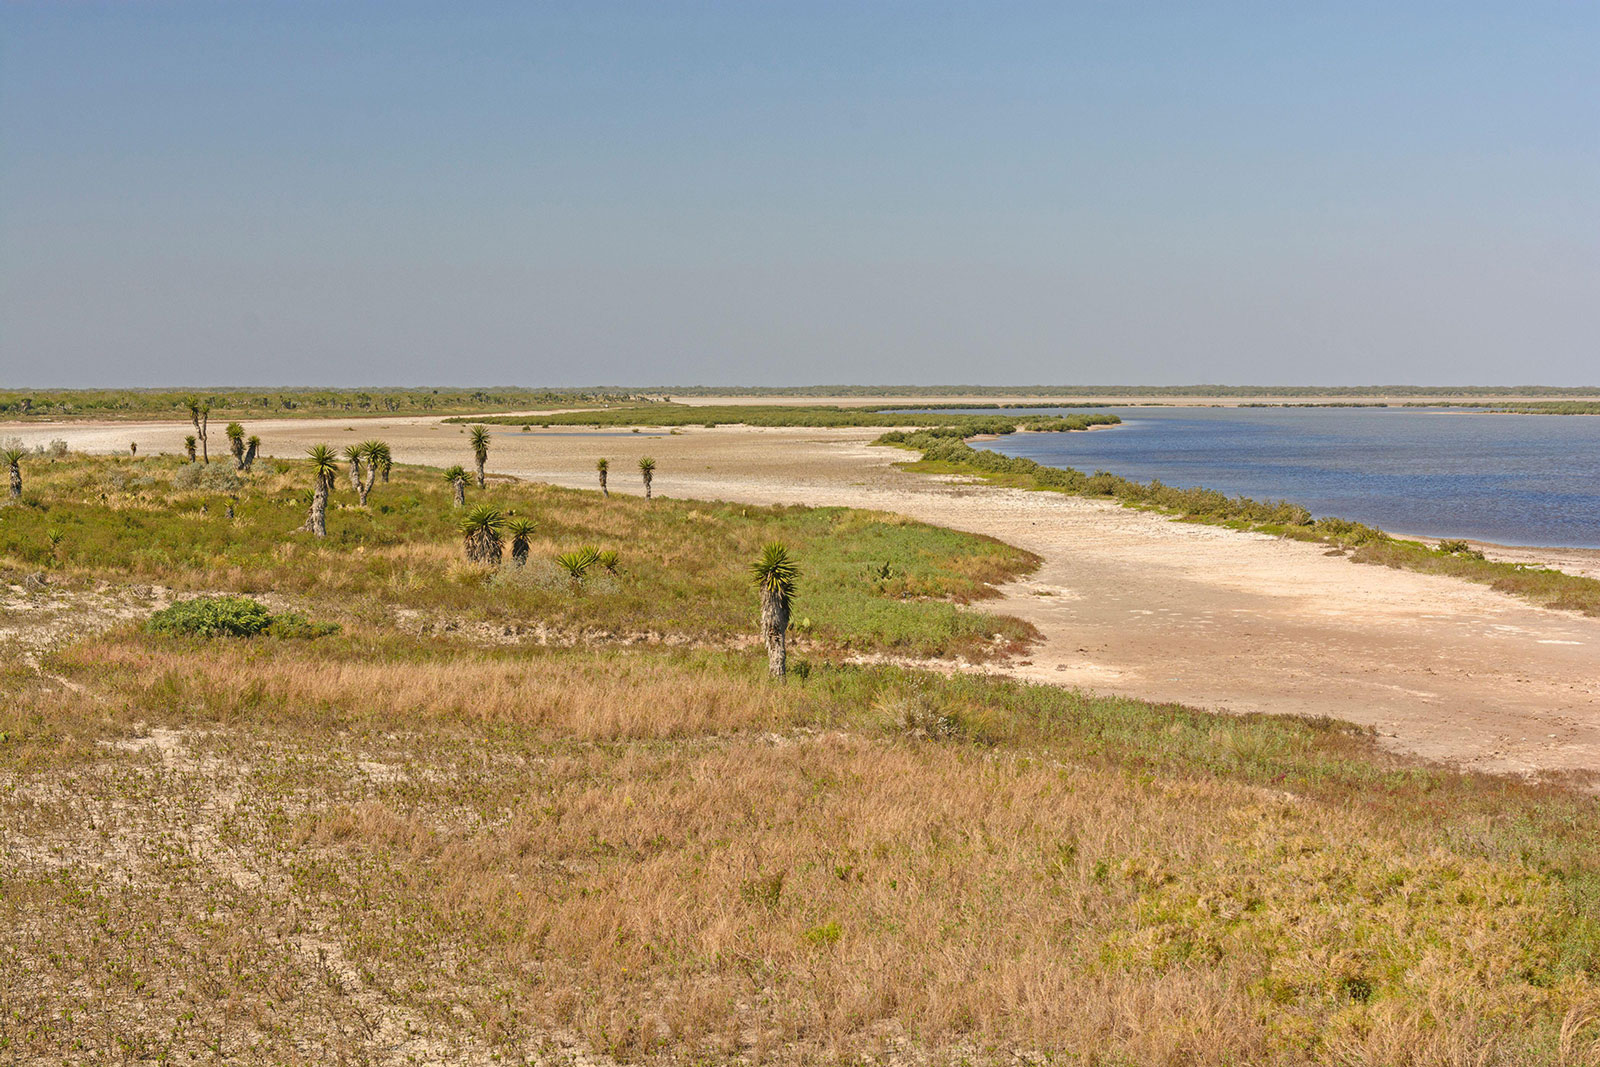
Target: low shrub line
point(671, 415)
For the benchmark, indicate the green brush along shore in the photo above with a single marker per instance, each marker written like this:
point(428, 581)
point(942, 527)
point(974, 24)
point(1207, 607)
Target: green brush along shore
point(712, 415)
point(943, 451)
point(290, 825)
point(1540, 407)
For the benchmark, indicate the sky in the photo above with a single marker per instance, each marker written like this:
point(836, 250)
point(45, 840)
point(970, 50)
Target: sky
point(770, 193)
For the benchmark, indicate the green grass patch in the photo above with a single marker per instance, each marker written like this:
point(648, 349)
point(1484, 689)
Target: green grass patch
point(871, 582)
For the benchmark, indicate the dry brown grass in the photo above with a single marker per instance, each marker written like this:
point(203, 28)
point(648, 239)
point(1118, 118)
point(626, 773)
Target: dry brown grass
point(317, 850)
point(592, 696)
point(838, 892)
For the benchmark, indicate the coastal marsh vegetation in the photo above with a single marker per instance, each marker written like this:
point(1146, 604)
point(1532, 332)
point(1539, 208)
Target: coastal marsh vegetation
point(945, 452)
point(1535, 407)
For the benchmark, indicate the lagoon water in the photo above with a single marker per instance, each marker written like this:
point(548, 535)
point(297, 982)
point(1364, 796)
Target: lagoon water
point(1510, 479)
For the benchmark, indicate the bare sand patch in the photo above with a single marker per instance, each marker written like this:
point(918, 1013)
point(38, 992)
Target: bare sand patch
point(1134, 604)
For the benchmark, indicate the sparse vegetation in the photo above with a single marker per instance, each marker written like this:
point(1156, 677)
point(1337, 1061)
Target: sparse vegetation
point(647, 471)
point(479, 439)
point(480, 532)
point(13, 460)
point(685, 575)
point(777, 579)
point(324, 469)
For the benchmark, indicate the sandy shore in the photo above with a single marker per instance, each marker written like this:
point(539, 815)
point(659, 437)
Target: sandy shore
point(1130, 603)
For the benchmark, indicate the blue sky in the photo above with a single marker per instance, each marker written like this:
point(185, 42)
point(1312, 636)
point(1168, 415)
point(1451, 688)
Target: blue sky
point(775, 193)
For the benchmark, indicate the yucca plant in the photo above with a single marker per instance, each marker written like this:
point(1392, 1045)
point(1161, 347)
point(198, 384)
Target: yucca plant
point(480, 534)
point(480, 449)
point(189, 446)
point(647, 470)
point(603, 466)
point(252, 446)
point(324, 469)
point(352, 455)
point(235, 434)
point(608, 559)
point(200, 415)
point(777, 578)
point(577, 562)
point(520, 531)
point(457, 477)
point(371, 452)
point(385, 461)
point(13, 459)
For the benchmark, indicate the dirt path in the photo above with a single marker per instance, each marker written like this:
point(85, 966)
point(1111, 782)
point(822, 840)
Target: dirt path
point(1129, 603)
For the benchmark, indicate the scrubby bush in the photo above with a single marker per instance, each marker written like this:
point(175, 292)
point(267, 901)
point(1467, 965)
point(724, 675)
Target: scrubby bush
point(231, 616)
point(212, 477)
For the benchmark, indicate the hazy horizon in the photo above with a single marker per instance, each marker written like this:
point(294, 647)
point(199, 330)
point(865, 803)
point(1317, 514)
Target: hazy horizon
point(562, 193)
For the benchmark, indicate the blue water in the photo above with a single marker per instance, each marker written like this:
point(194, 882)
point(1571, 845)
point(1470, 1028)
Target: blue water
point(1510, 479)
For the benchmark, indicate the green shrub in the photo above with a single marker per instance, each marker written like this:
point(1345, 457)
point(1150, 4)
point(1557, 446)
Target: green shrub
point(231, 616)
point(1456, 547)
point(292, 624)
point(211, 616)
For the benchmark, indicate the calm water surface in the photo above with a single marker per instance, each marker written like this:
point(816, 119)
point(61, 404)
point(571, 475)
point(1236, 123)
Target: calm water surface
point(1511, 479)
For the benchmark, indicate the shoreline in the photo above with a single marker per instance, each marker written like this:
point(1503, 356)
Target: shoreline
point(1585, 558)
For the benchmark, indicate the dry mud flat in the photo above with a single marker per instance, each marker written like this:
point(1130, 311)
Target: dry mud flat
point(1129, 603)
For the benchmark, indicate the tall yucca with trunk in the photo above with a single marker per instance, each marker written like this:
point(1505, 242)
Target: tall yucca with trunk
point(371, 453)
point(200, 415)
point(385, 461)
point(189, 446)
point(604, 466)
point(647, 471)
point(480, 449)
point(457, 477)
point(13, 461)
point(480, 534)
point(520, 531)
point(252, 446)
point(324, 469)
point(777, 579)
point(352, 455)
point(235, 434)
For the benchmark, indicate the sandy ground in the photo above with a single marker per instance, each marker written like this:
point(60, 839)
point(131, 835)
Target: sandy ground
point(1129, 603)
